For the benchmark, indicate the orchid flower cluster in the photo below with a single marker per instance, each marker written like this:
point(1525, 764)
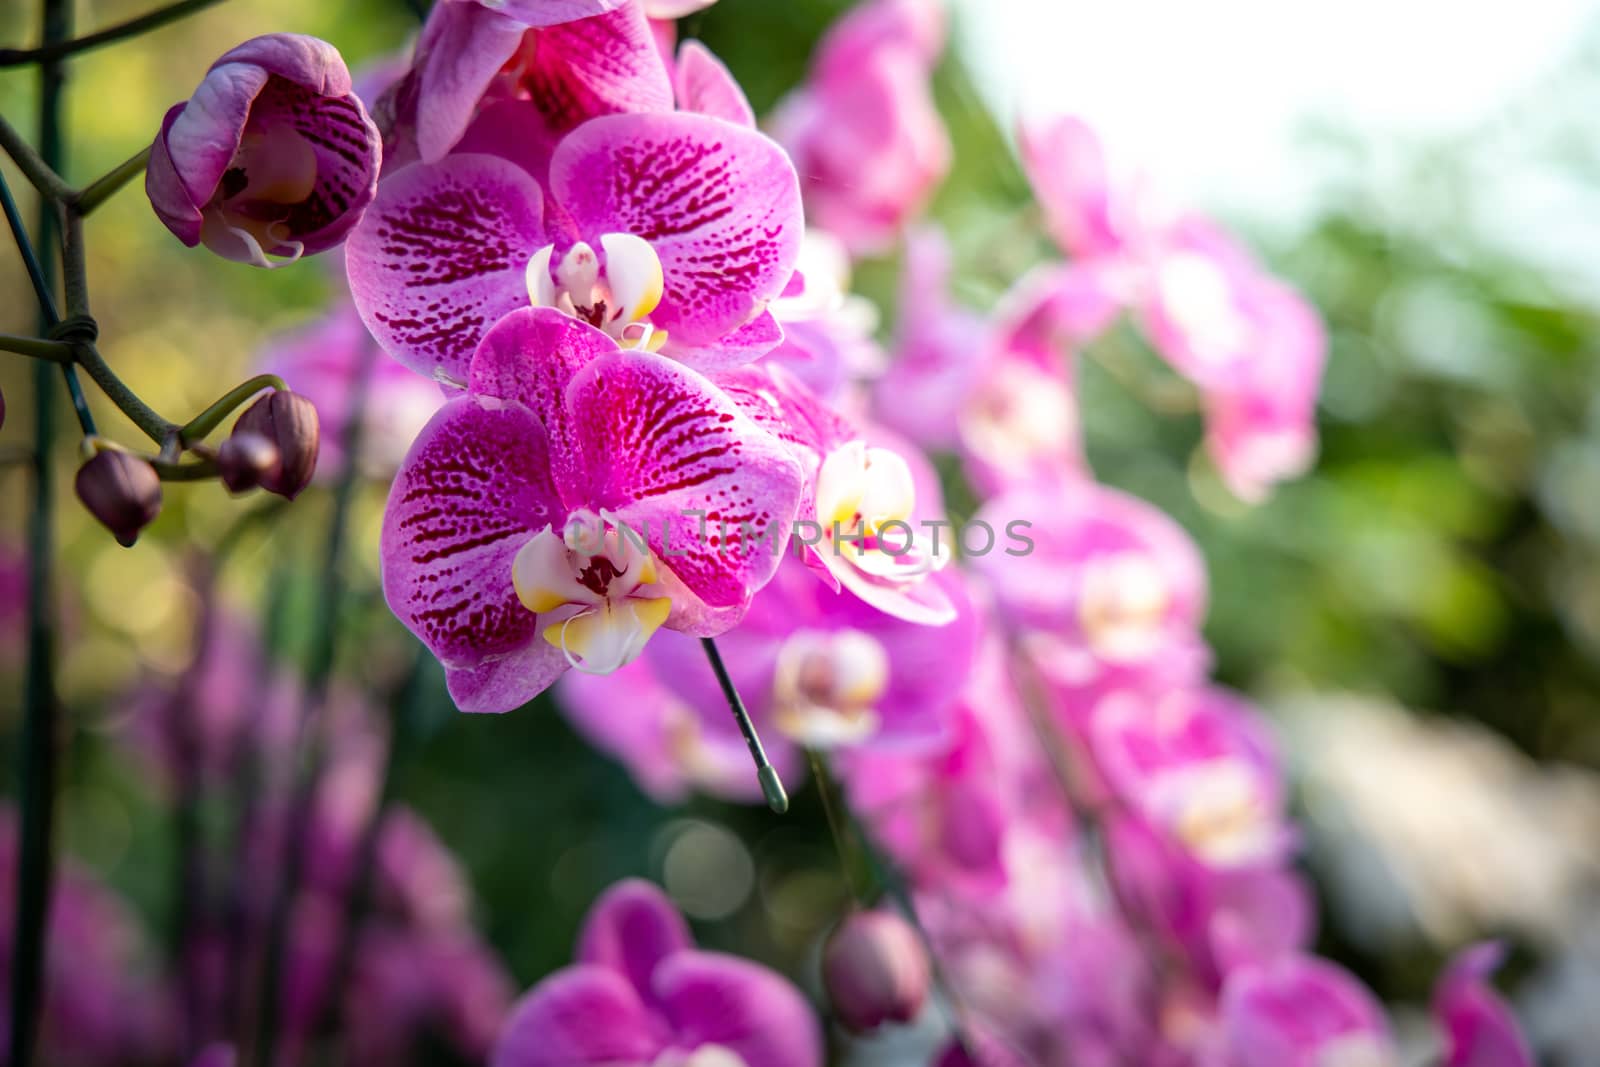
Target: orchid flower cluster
point(629, 404)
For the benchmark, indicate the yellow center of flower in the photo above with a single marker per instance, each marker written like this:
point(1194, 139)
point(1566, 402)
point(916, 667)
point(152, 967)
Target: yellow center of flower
point(595, 587)
point(616, 298)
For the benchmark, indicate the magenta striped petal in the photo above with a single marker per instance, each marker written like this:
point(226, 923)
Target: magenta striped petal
point(660, 444)
point(713, 999)
point(578, 1017)
point(441, 256)
point(530, 356)
point(596, 66)
point(473, 489)
point(506, 682)
point(720, 204)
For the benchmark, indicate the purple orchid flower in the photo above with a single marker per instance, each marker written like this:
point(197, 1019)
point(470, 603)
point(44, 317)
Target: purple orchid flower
point(668, 232)
point(575, 500)
point(1480, 1029)
point(274, 155)
point(864, 130)
point(640, 994)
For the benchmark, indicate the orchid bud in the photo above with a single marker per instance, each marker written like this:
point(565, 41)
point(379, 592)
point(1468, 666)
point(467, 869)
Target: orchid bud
point(288, 422)
point(246, 460)
point(875, 970)
point(273, 154)
point(122, 491)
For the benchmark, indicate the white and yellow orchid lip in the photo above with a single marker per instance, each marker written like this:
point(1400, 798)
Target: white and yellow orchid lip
point(865, 498)
point(1123, 602)
point(1218, 811)
point(826, 687)
point(617, 297)
point(595, 585)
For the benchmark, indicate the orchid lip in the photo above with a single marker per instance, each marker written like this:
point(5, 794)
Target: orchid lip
point(614, 291)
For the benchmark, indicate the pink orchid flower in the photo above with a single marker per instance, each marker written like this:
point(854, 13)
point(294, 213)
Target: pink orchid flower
point(569, 59)
point(667, 232)
point(274, 155)
point(827, 330)
point(575, 500)
point(1251, 344)
point(1110, 597)
point(642, 995)
point(825, 669)
point(1299, 1011)
point(1198, 765)
point(1479, 1027)
point(873, 510)
point(863, 129)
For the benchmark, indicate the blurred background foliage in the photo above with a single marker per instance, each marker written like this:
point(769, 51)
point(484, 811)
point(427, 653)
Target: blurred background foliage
point(1445, 551)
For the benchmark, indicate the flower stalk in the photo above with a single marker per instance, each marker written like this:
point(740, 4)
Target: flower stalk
point(771, 785)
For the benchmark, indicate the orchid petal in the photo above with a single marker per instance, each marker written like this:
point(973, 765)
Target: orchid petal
point(442, 256)
point(630, 930)
point(713, 999)
point(462, 47)
point(472, 491)
point(660, 446)
point(506, 682)
point(633, 272)
point(719, 203)
point(580, 1016)
point(704, 84)
point(543, 576)
point(610, 636)
point(604, 65)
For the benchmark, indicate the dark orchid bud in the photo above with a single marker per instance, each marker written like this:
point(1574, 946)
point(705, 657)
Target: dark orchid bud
point(273, 155)
point(288, 422)
point(122, 491)
point(875, 970)
point(246, 460)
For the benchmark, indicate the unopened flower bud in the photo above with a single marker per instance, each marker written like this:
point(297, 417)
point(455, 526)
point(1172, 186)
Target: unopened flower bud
point(288, 421)
point(122, 491)
point(246, 460)
point(875, 970)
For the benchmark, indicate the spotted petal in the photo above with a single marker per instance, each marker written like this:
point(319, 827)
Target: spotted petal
point(441, 256)
point(530, 356)
point(719, 203)
point(659, 446)
point(597, 66)
point(473, 489)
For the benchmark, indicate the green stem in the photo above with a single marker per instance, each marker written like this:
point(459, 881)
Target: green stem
point(52, 50)
point(37, 348)
point(198, 471)
point(197, 428)
point(101, 189)
point(139, 413)
point(837, 829)
point(37, 773)
point(766, 773)
point(33, 165)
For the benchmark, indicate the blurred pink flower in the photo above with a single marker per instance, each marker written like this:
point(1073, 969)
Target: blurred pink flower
point(1479, 1027)
point(1299, 1011)
point(863, 129)
point(641, 993)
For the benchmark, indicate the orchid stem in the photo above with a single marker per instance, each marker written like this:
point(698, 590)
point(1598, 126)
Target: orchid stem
point(37, 773)
point(197, 428)
point(101, 189)
point(33, 165)
point(836, 828)
point(37, 348)
point(52, 50)
point(766, 773)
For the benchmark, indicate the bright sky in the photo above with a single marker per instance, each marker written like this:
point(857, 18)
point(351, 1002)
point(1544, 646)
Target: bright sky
point(1210, 93)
